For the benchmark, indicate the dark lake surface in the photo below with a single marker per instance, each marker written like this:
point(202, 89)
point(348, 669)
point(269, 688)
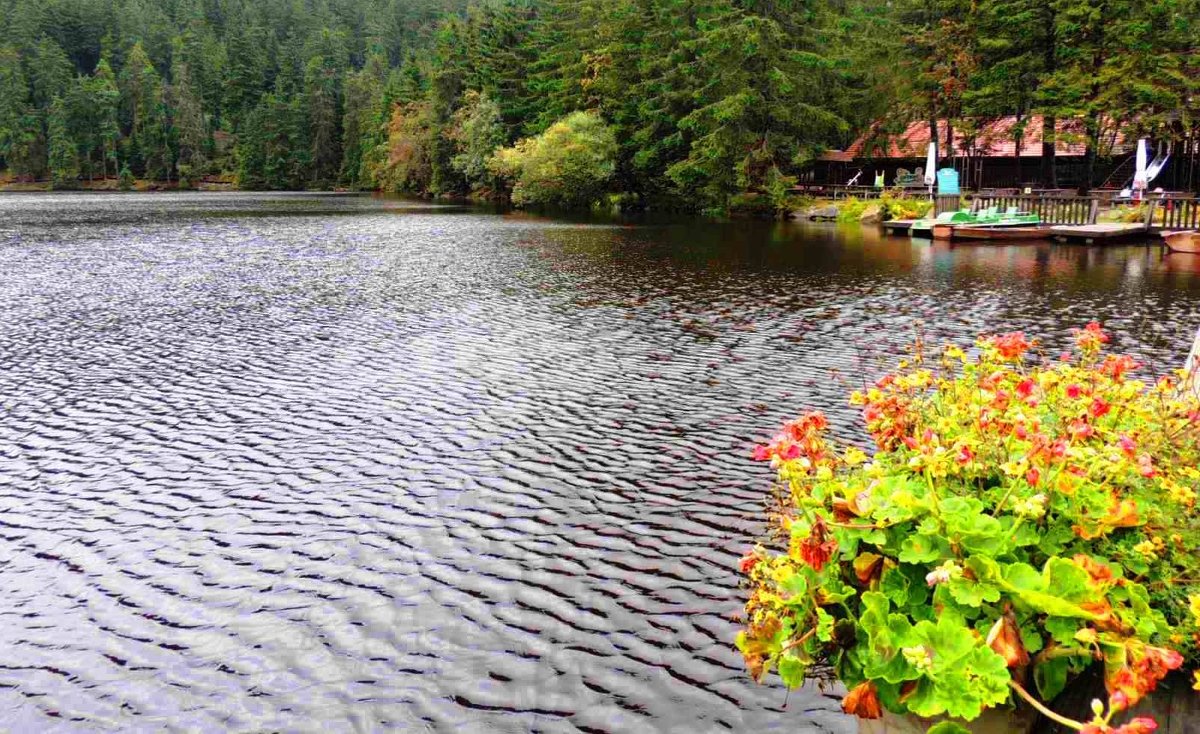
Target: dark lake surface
point(332, 463)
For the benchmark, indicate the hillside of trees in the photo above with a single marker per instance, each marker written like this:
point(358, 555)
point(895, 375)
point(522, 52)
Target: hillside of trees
point(698, 104)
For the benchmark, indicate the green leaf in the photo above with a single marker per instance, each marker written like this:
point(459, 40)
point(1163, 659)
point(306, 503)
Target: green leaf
point(1062, 629)
point(1045, 592)
point(895, 584)
point(1065, 579)
point(793, 671)
point(948, 640)
point(923, 549)
point(972, 593)
point(795, 584)
point(834, 591)
point(948, 727)
point(1051, 677)
point(824, 625)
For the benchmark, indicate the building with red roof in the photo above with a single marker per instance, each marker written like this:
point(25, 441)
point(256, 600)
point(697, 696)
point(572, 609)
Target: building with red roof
point(998, 153)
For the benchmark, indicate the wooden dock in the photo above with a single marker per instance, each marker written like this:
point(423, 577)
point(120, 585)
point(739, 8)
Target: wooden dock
point(1094, 233)
point(898, 226)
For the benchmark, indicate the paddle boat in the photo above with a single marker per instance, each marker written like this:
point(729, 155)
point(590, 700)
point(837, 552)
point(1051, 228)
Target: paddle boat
point(1188, 241)
point(943, 226)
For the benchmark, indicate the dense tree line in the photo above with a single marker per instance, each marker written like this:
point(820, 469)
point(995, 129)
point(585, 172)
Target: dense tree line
point(690, 103)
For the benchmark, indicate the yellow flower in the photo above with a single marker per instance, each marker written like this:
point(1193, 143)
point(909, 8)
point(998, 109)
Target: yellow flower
point(1146, 549)
point(1194, 606)
point(854, 456)
point(1179, 494)
point(1015, 468)
point(1196, 685)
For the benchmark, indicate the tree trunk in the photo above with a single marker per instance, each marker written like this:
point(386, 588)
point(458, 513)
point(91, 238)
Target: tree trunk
point(1049, 152)
point(1018, 145)
point(1093, 144)
point(950, 141)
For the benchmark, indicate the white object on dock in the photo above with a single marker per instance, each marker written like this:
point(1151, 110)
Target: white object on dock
point(1192, 380)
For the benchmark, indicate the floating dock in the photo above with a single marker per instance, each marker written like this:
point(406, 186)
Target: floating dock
point(898, 226)
point(1093, 233)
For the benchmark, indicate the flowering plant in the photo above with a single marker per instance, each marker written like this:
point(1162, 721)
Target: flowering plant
point(1021, 520)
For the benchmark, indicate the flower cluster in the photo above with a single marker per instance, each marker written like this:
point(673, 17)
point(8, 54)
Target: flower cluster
point(1020, 521)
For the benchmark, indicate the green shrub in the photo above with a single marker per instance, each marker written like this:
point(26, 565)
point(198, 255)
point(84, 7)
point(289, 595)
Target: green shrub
point(899, 206)
point(569, 165)
point(1021, 521)
point(851, 210)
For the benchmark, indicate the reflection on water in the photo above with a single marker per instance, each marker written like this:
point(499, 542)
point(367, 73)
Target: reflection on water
point(312, 463)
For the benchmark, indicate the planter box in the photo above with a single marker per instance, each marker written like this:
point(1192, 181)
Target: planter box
point(1174, 705)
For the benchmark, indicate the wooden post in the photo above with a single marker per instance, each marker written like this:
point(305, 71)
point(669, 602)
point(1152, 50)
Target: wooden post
point(1094, 212)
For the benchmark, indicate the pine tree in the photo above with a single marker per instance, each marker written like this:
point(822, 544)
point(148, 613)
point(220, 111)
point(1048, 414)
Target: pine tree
point(63, 150)
point(761, 108)
point(321, 81)
point(14, 104)
point(190, 124)
point(105, 100)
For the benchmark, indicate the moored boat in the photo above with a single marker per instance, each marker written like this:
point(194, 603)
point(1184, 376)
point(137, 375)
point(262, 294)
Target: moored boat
point(1026, 233)
point(1188, 241)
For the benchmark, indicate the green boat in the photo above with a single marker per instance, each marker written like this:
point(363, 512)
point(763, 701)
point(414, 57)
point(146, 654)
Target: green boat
point(990, 217)
point(924, 227)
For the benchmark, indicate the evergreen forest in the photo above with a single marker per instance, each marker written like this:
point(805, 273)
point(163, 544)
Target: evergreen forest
point(682, 104)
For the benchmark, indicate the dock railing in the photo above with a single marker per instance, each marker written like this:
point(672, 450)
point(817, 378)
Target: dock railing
point(1177, 213)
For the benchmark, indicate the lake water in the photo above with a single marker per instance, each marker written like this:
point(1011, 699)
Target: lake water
point(334, 463)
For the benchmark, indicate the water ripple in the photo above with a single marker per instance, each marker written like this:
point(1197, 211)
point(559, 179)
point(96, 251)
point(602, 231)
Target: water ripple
point(304, 462)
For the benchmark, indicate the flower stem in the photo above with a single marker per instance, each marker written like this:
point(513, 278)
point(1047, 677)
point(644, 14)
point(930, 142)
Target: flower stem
point(1057, 718)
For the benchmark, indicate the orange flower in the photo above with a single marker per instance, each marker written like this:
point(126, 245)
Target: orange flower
point(863, 701)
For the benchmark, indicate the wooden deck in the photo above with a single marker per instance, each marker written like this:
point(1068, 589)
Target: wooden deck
point(1093, 233)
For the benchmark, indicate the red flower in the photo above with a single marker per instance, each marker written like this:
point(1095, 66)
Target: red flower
point(1081, 429)
point(1118, 701)
point(1025, 388)
point(1091, 337)
point(1139, 725)
point(762, 453)
point(1146, 466)
point(1011, 346)
point(1099, 408)
point(748, 562)
point(1115, 366)
point(818, 547)
point(1128, 445)
point(1033, 476)
point(965, 455)
point(1074, 391)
